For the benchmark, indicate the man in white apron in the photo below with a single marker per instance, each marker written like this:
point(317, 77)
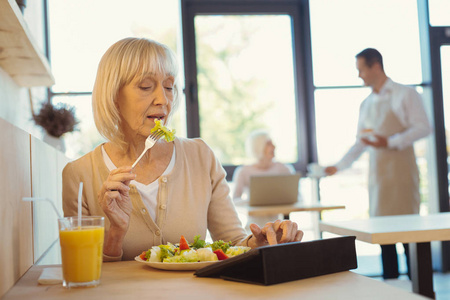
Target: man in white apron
point(391, 119)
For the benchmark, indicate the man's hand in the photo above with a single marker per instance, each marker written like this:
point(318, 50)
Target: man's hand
point(377, 141)
point(331, 170)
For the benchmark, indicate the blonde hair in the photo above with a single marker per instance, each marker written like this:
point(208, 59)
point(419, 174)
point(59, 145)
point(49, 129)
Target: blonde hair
point(256, 143)
point(124, 61)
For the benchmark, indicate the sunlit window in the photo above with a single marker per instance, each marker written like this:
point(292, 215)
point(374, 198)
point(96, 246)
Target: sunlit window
point(80, 33)
point(445, 73)
point(439, 12)
point(246, 82)
point(341, 29)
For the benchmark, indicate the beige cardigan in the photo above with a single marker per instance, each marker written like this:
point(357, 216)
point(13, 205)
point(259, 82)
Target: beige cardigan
point(194, 197)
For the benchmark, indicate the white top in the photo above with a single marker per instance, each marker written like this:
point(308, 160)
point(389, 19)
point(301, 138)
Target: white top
point(242, 174)
point(149, 192)
point(407, 106)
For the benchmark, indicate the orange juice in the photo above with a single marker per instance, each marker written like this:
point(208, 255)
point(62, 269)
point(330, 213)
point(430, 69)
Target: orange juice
point(82, 253)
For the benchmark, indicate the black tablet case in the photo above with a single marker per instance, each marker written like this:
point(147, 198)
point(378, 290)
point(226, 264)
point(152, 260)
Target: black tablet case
point(286, 262)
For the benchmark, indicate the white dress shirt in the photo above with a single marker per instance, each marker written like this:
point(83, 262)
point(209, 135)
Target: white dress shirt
point(408, 107)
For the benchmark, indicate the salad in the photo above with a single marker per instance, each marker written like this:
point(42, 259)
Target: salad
point(168, 135)
point(197, 251)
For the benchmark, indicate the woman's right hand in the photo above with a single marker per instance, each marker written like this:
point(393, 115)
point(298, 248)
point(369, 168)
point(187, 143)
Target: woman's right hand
point(114, 198)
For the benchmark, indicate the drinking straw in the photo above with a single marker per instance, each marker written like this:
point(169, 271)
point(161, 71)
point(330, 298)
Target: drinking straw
point(43, 199)
point(80, 191)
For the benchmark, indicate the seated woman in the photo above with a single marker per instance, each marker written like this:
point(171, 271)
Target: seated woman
point(177, 188)
point(259, 146)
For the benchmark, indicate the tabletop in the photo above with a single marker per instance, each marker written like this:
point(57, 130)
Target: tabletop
point(394, 229)
point(269, 210)
point(135, 280)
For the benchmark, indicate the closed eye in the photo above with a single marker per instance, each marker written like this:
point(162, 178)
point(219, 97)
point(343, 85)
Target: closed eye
point(169, 83)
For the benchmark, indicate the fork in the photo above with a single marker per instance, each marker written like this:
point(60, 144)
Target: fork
point(149, 142)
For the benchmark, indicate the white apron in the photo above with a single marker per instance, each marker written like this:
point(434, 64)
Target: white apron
point(393, 174)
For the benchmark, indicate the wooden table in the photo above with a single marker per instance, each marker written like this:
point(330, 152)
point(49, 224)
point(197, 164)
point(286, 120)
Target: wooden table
point(132, 280)
point(285, 210)
point(270, 210)
point(417, 230)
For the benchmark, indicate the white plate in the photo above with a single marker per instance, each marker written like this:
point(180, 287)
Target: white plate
point(192, 266)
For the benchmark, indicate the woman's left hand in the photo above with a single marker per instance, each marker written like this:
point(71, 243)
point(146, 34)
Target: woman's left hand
point(273, 233)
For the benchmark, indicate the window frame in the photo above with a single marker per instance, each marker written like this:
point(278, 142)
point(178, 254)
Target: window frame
point(299, 13)
point(438, 36)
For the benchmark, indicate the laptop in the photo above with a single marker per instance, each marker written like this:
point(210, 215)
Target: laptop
point(274, 189)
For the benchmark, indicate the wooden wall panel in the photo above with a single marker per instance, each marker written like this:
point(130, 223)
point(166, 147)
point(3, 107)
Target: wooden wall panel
point(16, 250)
point(62, 161)
point(54, 255)
point(47, 164)
point(44, 181)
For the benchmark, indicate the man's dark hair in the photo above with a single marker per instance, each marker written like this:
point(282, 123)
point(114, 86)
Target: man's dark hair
point(371, 56)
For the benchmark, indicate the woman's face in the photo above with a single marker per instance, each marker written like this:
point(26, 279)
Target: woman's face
point(269, 150)
point(141, 102)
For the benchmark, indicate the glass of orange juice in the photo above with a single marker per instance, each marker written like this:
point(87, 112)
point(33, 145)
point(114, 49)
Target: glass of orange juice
point(81, 250)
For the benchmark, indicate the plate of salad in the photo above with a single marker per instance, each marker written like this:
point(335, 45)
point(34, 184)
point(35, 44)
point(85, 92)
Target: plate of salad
point(189, 256)
point(191, 266)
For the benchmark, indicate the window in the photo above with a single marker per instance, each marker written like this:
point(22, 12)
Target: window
point(339, 91)
point(34, 18)
point(80, 33)
point(445, 66)
point(438, 10)
point(245, 70)
point(340, 30)
point(246, 82)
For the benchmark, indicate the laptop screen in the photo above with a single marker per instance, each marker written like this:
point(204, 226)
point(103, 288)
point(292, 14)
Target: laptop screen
point(274, 189)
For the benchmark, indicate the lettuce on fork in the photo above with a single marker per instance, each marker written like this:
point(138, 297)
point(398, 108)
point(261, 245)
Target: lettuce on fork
point(168, 135)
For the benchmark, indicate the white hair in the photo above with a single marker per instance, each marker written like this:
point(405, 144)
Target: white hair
point(256, 143)
point(124, 61)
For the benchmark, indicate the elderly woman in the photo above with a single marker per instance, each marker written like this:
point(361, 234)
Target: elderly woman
point(260, 147)
point(177, 188)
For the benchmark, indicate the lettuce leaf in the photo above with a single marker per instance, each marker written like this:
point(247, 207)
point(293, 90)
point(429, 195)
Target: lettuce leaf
point(220, 245)
point(166, 251)
point(236, 250)
point(198, 243)
point(184, 256)
point(167, 134)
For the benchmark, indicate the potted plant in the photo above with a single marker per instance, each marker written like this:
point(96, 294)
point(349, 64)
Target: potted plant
point(56, 121)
